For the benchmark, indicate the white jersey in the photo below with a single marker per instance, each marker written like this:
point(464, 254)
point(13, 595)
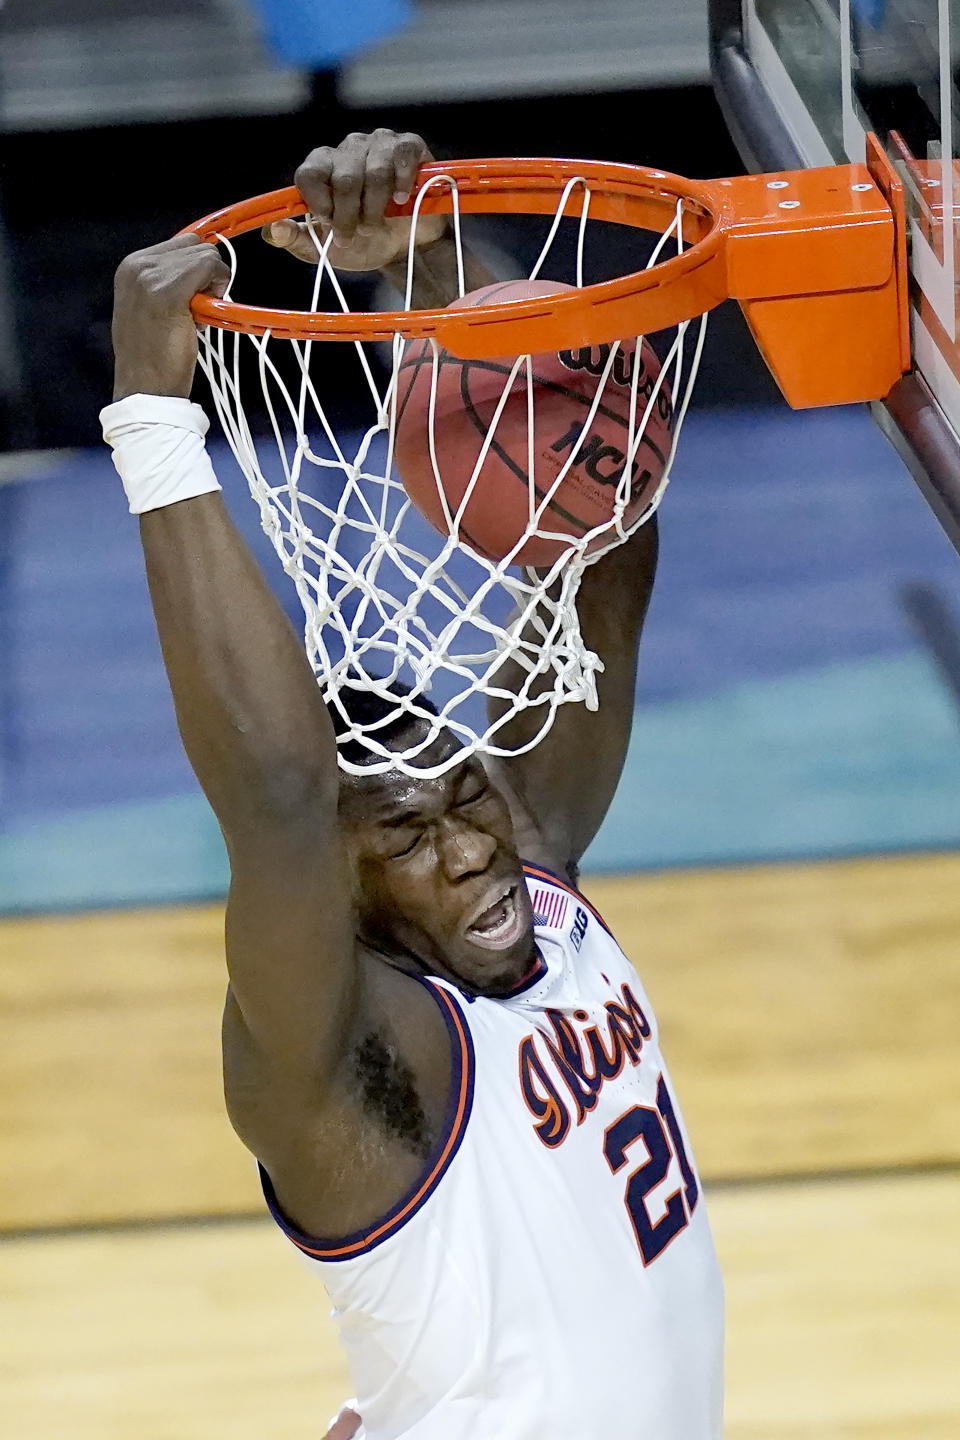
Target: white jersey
point(553, 1276)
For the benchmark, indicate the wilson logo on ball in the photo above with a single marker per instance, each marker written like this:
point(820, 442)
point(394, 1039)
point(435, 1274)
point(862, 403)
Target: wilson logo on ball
point(594, 360)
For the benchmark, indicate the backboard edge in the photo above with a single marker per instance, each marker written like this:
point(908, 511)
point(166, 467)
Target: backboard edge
point(909, 417)
point(755, 125)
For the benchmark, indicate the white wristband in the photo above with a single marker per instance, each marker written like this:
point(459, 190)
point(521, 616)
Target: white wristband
point(158, 450)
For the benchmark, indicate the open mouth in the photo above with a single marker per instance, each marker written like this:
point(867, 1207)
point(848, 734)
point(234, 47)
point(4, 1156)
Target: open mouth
point(500, 925)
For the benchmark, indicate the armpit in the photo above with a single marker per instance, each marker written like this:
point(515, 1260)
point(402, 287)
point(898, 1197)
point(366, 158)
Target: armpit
point(389, 1094)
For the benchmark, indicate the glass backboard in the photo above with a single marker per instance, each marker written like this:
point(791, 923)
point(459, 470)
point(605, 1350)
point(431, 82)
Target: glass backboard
point(802, 82)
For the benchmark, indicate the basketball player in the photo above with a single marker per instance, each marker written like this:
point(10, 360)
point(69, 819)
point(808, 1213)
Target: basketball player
point(447, 1069)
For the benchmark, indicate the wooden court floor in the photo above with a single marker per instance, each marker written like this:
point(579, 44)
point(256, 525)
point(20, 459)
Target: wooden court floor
point(810, 1015)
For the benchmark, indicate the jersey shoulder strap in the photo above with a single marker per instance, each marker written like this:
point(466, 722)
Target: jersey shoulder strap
point(552, 892)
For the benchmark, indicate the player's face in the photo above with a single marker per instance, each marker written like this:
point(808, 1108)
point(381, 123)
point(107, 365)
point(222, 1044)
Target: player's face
point(440, 880)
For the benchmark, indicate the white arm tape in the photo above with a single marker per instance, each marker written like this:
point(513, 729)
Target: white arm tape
point(158, 450)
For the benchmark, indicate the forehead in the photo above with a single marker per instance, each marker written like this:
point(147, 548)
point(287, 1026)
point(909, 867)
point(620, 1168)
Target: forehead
point(394, 792)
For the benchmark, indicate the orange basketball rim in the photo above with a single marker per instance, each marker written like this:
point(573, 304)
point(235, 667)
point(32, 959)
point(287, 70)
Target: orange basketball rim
point(816, 258)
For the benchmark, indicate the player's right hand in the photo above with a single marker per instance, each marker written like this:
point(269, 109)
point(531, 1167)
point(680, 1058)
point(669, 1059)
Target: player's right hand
point(154, 335)
point(348, 188)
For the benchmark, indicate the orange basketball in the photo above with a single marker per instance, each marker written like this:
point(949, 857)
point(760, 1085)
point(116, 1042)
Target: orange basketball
point(565, 384)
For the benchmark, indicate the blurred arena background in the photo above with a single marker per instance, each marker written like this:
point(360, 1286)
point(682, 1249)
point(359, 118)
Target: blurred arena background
point(781, 861)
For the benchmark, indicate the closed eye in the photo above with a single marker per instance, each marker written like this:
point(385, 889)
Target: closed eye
point(408, 849)
point(469, 799)
point(475, 788)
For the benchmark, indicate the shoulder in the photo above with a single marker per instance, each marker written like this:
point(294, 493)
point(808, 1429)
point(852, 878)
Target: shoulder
point(398, 1044)
point(341, 1157)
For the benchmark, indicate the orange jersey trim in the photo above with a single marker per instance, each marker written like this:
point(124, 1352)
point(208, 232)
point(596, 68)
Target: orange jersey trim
point(461, 1103)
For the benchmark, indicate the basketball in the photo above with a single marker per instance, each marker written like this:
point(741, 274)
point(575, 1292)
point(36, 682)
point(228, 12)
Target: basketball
point(564, 387)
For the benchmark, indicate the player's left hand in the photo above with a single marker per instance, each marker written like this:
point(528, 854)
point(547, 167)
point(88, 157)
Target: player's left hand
point(348, 188)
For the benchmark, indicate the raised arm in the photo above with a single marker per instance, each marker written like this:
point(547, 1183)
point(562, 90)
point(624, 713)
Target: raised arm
point(251, 717)
point(564, 786)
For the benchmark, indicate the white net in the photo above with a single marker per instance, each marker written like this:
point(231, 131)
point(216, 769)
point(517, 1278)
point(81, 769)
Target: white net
point(485, 648)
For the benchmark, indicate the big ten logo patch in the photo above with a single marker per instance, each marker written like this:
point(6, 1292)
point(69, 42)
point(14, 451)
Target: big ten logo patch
point(580, 921)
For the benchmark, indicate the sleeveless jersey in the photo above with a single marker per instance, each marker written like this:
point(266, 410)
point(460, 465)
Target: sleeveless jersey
point(552, 1276)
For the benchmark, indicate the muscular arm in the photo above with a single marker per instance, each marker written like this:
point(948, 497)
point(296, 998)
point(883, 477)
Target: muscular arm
point(564, 786)
point(261, 744)
point(253, 724)
point(435, 274)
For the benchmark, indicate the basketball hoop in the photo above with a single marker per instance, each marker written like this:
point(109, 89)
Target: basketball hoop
point(815, 258)
point(812, 255)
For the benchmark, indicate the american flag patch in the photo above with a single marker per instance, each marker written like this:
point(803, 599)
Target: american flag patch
point(549, 907)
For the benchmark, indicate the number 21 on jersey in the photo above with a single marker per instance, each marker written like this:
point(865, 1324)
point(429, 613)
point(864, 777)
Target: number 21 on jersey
point(658, 1130)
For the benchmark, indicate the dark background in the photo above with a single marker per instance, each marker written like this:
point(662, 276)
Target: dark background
point(76, 201)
